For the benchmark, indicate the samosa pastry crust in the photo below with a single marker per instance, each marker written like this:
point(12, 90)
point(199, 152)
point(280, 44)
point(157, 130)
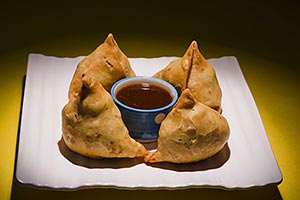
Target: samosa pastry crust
point(177, 72)
point(92, 125)
point(191, 132)
point(193, 71)
point(107, 64)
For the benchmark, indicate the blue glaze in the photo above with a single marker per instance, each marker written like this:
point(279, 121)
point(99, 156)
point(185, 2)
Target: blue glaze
point(143, 124)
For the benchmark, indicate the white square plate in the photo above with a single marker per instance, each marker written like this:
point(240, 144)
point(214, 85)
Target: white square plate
point(44, 160)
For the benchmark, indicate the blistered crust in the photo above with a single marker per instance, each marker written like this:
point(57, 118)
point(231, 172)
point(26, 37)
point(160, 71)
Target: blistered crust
point(107, 64)
point(193, 71)
point(191, 132)
point(92, 125)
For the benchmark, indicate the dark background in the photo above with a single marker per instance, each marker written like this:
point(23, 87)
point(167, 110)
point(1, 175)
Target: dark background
point(265, 28)
point(268, 30)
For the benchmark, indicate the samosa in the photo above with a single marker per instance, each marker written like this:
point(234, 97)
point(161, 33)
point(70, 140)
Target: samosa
point(107, 64)
point(191, 132)
point(92, 124)
point(193, 71)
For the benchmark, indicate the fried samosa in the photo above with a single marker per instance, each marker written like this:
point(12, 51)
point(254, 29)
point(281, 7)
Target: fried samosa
point(191, 132)
point(92, 125)
point(193, 71)
point(107, 64)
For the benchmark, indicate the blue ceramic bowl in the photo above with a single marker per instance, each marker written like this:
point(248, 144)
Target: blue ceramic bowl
point(143, 124)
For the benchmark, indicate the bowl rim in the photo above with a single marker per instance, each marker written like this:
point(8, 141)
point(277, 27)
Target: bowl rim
point(119, 103)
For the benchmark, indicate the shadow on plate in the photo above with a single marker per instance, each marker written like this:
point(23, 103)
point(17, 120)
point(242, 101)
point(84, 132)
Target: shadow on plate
point(216, 161)
point(84, 161)
point(213, 162)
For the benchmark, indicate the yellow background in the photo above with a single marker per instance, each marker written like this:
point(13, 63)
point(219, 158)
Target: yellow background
point(264, 36)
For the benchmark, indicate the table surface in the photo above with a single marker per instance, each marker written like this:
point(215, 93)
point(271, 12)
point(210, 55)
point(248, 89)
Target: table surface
point(264, 38)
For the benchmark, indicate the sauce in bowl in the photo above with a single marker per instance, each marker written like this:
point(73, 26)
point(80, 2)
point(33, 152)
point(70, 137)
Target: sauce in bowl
point(144, 102)
point(144, 96)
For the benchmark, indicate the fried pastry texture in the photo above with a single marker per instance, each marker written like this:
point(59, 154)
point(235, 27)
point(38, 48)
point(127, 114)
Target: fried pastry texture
point(191, 132)
point(193, 71)
point(92, 125)
point(107, 64)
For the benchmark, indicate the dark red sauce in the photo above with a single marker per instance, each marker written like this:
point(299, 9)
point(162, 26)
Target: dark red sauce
point(144, 96)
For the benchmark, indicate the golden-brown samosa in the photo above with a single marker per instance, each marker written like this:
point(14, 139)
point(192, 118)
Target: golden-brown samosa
point(193, 71)
point(92, 125)
point(191, 132)
point(107, 64)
